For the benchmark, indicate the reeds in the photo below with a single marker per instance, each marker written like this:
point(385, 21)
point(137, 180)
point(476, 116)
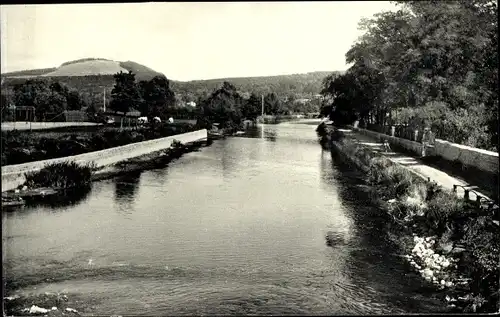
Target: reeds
point(61, 176)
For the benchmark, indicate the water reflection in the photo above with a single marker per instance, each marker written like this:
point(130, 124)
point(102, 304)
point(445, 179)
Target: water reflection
point(126, 187)
point(159, 175)
point(63, 200)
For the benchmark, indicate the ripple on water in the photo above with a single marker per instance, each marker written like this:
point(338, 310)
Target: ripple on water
point(237, 228)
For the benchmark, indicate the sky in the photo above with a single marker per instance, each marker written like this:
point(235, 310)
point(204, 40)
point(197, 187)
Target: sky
point(187, 41)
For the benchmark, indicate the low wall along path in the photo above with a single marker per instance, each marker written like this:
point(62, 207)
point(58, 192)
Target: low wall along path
point(374, 140)
point(13, 175)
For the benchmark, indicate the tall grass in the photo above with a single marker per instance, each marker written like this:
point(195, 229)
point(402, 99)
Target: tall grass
point(61, 175)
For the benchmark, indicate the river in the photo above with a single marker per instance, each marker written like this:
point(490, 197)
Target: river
point(236, 228)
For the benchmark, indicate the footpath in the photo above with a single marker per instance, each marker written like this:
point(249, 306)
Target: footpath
point(443, 179)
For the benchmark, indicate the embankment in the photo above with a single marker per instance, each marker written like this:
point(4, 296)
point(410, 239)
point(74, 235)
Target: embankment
point(452, 243)
point(13, 175)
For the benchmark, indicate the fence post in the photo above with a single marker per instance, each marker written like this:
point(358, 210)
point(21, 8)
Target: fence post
point(466, 194)
point(415, 135)
point(478, 200)
point(393, 130)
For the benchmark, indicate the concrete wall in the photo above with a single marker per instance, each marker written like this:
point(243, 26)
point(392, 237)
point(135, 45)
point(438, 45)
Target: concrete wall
point(412, 146)
point(13, 175)
point(484, 160)
point(469, 156)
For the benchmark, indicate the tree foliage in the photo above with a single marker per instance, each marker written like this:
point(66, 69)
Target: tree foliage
point(223, 106)
point(157, 97)
point(125, 95)
point(48, 98)
point(435, 61)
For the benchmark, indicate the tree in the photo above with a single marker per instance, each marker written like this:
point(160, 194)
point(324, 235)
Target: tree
point(272, 104)
point(157, 96)
point(252, 108)
point(74, 100)
point(125, 95)
point(437, 56)
point(222, 106)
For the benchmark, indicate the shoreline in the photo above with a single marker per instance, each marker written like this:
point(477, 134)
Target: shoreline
point(420, 246)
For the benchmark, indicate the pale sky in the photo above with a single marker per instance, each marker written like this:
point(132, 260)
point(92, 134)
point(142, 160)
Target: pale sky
point(187, 41)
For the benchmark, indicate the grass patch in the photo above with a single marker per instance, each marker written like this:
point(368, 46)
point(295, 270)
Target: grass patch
point(417, 206)
point(61, 176)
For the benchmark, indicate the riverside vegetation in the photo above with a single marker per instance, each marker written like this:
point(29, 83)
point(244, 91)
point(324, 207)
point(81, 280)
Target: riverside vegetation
point(22, 147)
point(452, 243)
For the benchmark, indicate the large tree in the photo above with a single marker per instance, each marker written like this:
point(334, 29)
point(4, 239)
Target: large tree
point(272, 105)
point(252, 108)
point(223, 106)
point(157, 97)
point(125, 95)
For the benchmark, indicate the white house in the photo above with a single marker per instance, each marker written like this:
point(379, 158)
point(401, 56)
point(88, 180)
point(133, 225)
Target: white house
point(191, 104)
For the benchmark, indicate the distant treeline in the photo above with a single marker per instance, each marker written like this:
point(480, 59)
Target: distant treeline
point(286, 87)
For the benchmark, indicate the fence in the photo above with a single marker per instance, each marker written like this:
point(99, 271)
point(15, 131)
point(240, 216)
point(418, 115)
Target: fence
point(405, 132)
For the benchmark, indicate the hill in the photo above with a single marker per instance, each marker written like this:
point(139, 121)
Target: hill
point(298, 85)
point(87, 67)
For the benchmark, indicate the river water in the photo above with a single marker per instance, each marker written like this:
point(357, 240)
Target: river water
point(236, 228)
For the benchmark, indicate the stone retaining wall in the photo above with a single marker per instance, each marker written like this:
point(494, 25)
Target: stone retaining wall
point(13, 175)
point(482, 159)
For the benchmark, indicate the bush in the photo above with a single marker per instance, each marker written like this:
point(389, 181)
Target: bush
point(61, 175)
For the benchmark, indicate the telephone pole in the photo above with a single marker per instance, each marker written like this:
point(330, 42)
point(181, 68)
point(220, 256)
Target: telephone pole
point(104, 100)
point(262, 107)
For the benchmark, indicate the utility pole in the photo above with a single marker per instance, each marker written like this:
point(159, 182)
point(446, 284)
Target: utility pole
point(104, 100)
point(262, 107)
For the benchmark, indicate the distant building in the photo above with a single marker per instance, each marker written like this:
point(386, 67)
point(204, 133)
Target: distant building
point(191, 104)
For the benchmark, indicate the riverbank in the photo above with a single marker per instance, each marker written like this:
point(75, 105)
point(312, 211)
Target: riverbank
point(47, 304)
point(437, 232)
point(156, 159)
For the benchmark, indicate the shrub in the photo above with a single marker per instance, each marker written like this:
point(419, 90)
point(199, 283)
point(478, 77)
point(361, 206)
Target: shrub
point(61, 175)
point(442, 208)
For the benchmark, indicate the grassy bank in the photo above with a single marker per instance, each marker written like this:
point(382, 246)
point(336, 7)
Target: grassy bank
point(453, 244)
point(22, 147)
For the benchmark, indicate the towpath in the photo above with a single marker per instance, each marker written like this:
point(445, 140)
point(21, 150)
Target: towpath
point(416, 165)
